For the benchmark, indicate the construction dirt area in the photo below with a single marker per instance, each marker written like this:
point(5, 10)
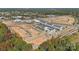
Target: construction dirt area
point(28, 33)
point(68, 20)
point(35, 36)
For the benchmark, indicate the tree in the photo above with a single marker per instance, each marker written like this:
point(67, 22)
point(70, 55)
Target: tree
point(63, 44)
point(12, 42)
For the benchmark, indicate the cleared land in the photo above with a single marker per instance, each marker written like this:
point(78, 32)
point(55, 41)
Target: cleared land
point(28, 33)
point(32, 35)
point(68, 20)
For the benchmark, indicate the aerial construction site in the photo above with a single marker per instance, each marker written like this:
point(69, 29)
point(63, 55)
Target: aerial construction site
point(38, 30)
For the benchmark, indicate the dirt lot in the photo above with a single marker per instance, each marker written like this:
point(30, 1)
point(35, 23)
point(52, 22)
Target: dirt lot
point(30, 29)
point(30, 34)
point(69, 20)
point(27, 32)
